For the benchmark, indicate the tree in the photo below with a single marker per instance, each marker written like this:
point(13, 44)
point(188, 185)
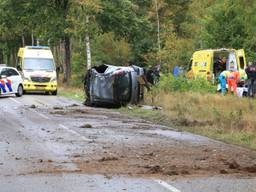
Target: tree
point(224, 26)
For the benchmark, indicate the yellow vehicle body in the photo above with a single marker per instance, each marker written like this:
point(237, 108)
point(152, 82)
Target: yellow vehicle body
point(37, 66)
point(208, 64)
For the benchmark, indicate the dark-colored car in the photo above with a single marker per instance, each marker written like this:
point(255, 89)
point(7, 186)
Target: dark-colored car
point(112, 86)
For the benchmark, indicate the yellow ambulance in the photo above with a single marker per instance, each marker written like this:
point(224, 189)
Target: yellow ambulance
point(36, 64)
point(210, 63)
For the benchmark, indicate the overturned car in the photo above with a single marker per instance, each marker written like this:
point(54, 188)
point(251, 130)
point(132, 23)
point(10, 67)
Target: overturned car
point(113, 86)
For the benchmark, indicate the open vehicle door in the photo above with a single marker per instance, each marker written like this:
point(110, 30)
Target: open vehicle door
point(241, 59)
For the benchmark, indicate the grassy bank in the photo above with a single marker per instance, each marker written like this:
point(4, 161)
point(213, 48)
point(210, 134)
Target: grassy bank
point(194, 106)
point(71, 93)
point(229, 119)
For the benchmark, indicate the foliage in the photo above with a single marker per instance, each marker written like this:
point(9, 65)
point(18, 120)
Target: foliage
point(126, 31)
point(108, 50)
point(170, 83)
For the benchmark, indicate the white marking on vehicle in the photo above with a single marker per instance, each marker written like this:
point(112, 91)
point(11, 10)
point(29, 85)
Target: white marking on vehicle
point(14, 100)
point(73, 132)
point(167, 186)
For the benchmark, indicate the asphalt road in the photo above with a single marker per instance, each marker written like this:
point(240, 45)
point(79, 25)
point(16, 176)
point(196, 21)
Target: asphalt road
point(36, 147)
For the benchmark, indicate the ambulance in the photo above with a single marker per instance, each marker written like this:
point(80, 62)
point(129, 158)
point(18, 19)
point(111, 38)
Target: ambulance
point(36, 64)
point(208, 64)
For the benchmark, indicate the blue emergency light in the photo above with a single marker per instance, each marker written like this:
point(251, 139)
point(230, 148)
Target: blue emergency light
point(38, 47)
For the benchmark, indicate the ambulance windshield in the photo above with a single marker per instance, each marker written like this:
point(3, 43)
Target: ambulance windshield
point(39, 64)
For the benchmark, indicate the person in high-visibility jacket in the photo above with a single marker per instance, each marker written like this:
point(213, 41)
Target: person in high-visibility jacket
point(223, 80)
point(233, 79)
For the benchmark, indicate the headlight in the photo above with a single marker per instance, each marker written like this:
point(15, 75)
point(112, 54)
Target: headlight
point(53, 79)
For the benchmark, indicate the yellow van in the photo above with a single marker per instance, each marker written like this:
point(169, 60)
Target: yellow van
point(210, 63)
point(37, 66)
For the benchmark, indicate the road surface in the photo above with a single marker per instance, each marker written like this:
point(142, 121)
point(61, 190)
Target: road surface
point(51, 143)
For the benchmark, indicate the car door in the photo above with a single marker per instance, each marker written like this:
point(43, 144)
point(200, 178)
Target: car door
point(13, 80)
point(3, 80)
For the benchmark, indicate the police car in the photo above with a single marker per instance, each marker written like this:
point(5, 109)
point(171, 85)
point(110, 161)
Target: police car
point(10, 81)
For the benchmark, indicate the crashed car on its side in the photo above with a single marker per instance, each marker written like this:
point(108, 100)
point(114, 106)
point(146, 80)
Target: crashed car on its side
point(108, 85)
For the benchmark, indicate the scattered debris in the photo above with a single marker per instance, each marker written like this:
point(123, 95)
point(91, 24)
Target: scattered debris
point(223, 171)
point(171, 173)
point(33, 106)
point(77, 155)
point(233, 165)
point(58, 112)
point(184, 172)
point(108, 159)
point(86, 126)
point(251, 169)
point(155, 169)
point(58, 108)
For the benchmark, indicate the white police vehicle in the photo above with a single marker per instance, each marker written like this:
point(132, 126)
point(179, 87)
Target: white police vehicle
point(10, 81)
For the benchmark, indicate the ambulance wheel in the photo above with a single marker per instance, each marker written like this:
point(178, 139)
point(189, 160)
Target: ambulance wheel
point(19, 91)
point(55, 92)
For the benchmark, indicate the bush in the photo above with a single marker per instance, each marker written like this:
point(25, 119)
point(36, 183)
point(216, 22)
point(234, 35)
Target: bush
point(180, 84)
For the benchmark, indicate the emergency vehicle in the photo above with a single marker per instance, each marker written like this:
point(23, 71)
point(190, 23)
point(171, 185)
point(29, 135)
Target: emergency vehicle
point(10, 81)
point(210, 63)
point(36, 64)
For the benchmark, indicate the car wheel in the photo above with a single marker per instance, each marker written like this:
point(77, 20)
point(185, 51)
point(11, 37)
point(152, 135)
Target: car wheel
point(19, 91)
point(55, 92)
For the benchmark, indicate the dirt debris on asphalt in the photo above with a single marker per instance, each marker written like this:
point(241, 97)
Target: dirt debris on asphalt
point(119, 144)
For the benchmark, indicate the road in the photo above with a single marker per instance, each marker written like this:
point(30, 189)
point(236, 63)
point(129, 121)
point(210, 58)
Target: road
point(51, 143)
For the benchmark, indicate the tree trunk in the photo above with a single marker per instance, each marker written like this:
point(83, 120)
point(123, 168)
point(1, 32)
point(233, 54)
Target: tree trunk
point(67, 64)
point(88, 47)
point(158, 30)
point(12, 58)
point(1, 56)
point(23, 41)
point(32, 39)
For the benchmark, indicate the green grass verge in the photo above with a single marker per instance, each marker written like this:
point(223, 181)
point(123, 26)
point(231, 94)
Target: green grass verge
point(72, 93)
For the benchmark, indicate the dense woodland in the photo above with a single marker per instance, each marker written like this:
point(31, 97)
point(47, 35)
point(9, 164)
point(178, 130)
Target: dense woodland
point(124, 32)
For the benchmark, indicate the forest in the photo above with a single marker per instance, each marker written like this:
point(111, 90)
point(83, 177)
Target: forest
point(125, 32)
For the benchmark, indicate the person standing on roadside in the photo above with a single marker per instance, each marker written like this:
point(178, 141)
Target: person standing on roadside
point(251, 74)
point(233, 79)
point(223, 81)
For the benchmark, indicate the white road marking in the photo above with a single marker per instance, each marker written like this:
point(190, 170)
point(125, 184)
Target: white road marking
point(42, 115)
point(14, 100)
point(46, 117)
point(167, 186)
point(74, 132)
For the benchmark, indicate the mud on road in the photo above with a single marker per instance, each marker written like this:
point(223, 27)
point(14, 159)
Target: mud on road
point(115, 144)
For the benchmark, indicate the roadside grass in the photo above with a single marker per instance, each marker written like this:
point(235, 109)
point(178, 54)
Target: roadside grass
point(71, 93)
point(226, 118)
point(193, 106)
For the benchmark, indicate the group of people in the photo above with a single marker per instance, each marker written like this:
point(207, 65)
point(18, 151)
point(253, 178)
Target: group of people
point(233, 78)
